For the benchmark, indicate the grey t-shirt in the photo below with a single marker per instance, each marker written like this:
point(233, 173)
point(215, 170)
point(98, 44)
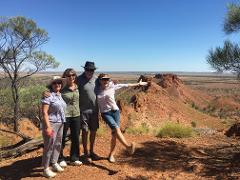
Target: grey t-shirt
point(88, 100)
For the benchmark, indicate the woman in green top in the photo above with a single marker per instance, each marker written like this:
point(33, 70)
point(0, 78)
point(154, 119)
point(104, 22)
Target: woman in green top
point(70, 95)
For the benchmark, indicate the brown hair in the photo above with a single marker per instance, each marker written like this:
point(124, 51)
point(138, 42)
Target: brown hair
point(103, 75)
point(68, 71)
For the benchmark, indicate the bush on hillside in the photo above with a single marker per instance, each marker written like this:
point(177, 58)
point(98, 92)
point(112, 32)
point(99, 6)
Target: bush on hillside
point(194, 124)
point(29, 105)
point(174, 130)
point(142, 129)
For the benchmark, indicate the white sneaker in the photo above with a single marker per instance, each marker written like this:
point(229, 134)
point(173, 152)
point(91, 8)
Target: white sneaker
point(57, 168)
point(49, 173)
point(76, 163)
point(63, 164)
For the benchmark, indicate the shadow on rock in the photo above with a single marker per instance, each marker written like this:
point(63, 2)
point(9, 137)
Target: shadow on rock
point(219, 161)
point(21, 169)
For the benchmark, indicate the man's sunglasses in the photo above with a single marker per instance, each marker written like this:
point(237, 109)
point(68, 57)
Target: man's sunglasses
point(90, 70)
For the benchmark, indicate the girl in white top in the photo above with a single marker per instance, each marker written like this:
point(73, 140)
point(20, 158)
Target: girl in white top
point(110, 112)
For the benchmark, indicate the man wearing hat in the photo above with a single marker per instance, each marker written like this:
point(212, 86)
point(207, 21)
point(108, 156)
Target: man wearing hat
point(89, 109)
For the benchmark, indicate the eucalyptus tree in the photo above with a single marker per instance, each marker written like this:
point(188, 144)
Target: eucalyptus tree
point(20, 54)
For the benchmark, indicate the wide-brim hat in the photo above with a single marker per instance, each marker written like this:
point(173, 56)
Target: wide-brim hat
point(90, 65)
point(57, 78)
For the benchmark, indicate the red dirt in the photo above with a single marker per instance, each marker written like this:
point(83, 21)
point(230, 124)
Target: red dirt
point(211, 157)
point(28, 128)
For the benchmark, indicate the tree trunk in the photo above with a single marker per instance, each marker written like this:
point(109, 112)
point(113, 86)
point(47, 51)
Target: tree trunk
point(15, 94)
point(29, 146)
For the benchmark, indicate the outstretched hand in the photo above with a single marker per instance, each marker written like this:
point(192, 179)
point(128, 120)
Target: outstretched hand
point(143, 83)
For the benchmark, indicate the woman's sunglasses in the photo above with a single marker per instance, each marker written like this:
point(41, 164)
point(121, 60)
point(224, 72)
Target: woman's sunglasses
point(71, 75)
point(105, 79)
point(57, 82)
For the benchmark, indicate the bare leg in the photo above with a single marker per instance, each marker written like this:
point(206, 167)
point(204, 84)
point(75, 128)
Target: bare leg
point(121, 138)
point(113, 143)
point(92, 140)
point(85, 141)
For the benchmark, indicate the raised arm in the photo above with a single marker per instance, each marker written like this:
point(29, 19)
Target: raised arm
point(140, 83)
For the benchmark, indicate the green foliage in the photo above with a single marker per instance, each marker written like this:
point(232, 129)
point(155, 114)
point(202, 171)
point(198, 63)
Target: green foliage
point(6, 103)
point(29, 104)
point(175, 131)
point(131, 118)
point(194, 106)
point(194, 124)
point(101, 130)
point(30, 96)
point(125, 95)
point(227, 58)
point(232, 19)
point(3, 142)
point(142, 129)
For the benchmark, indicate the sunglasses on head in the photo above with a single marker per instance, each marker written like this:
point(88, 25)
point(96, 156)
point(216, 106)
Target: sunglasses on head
point(57, 82)
point(71, 75)
point(90, 70)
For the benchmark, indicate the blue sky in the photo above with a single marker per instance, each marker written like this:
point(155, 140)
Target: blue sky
point(128, 35)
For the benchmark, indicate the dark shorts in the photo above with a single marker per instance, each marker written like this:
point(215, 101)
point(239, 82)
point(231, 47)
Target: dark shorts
point(112, 118)
point(89, 120)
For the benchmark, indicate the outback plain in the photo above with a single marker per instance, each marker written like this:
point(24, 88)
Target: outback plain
point(184, 125)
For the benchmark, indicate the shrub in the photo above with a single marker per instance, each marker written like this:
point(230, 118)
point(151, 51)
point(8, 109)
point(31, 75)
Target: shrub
point(101, 130)
point(175, 131)
point(4, 141)
point(142, 129)
point(194, 124)
point(29, 101)
point(194, 106)
point(125, 95)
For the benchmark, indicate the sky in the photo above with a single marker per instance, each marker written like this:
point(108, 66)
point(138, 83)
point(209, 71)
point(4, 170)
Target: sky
point(128, 35)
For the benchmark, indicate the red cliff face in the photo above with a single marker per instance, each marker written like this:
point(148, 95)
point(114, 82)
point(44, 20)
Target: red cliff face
point(166, 98)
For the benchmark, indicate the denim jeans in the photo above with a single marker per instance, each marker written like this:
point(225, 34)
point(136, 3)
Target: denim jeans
point(112, 118)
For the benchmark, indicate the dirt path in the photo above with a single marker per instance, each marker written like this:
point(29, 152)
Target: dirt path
point(215, 157)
